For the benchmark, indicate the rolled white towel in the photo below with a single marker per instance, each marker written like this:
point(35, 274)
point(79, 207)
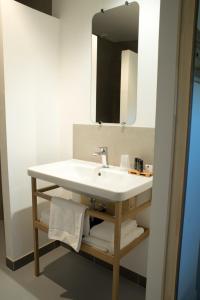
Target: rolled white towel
point(97, 243)
point(109, 246)
point(105, 230)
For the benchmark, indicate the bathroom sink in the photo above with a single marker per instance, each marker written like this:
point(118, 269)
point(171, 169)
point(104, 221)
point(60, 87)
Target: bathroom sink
point(89, 178)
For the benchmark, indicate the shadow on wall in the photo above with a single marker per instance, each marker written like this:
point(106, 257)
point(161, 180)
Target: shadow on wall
point(23, 235)
point(44, 6)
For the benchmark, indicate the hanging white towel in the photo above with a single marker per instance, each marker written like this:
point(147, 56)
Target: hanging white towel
point(44, 215)
point(66, 222)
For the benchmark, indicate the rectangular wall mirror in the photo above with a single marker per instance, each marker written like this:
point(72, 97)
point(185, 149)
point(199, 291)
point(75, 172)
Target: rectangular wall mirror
point(115, 65)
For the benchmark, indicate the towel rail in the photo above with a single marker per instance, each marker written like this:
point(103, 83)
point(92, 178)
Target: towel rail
point(48, 188)
point(95, 213)
point(43, 195)
point(41, 226)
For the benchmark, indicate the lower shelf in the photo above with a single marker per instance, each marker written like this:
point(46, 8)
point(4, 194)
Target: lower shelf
point(109, 258)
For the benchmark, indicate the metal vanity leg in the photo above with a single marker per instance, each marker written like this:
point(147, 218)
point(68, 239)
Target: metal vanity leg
point(35, 230)
point(117, 240)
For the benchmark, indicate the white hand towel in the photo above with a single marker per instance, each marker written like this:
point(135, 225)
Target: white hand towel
point(66, 222)
point(109, 246)
point(105, 230)
point(44, 216)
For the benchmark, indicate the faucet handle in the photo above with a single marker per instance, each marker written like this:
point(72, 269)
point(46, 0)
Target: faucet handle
point(100, 150)
point(95, 154)
point(103, 150)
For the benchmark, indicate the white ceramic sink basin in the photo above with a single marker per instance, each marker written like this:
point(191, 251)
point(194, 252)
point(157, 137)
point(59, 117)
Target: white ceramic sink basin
point(112, 184)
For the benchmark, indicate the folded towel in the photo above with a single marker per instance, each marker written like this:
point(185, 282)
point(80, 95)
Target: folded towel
point(105, 230)
point(66, 222)
point(97, 243)
point(106, 246)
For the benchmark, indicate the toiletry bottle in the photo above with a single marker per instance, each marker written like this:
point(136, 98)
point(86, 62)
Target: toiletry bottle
point(141, 165)
point(136, 163)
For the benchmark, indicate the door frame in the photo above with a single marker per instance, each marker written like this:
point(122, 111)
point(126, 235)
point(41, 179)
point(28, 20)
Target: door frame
point(175, 66)
point(180, 159)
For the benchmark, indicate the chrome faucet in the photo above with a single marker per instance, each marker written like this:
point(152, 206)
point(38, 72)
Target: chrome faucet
point(103, 152)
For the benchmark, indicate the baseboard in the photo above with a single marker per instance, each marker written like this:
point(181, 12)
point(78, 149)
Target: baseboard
point(17, 264)
point(128, 274)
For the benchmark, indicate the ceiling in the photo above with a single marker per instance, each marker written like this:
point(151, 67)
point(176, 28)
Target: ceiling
point(118, 24)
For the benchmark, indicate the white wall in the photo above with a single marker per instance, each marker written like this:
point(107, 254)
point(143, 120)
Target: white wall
point(1, 114)
point(30, 52)
point(76, 25)
point(3, 144)
point(164, 138)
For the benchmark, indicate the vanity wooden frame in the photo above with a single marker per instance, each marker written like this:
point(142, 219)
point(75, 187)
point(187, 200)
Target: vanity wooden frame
point(118, 217)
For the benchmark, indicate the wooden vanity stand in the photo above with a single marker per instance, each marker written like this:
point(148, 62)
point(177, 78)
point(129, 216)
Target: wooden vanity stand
point(117, 218)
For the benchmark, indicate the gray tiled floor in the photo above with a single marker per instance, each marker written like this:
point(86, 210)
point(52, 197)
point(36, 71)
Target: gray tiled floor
point(65, 276)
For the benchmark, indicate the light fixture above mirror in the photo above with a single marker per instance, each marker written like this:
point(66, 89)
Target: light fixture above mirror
point(115, 65)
